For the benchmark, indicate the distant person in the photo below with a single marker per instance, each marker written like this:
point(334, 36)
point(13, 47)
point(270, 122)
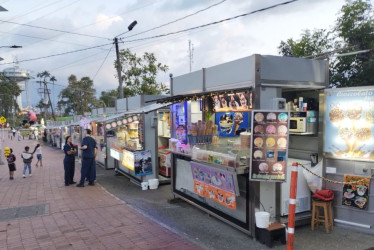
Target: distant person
point(39, 156)
point(36, 134)
point(11, 159)
point(89, 152)
point(14, 132)
point(18, 135)
point(69, 161)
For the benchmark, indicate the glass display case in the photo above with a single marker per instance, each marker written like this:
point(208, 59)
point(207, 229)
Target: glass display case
point(98, 135)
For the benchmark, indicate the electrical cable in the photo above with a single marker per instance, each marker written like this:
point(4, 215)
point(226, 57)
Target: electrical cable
point(212, 23)
point(102, 62)
point(59, 54)
point(76, 61)
point(34, 10)
point(62, 31)
point(179, 19)
point(45, 39)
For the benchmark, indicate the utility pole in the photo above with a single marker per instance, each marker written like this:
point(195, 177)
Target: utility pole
point(118, 69)
point(190, 53)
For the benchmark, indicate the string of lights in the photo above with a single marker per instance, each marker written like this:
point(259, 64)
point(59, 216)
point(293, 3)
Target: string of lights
point(212, 23)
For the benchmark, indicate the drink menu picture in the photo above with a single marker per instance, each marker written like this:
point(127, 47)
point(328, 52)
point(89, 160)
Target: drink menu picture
point(269, 145)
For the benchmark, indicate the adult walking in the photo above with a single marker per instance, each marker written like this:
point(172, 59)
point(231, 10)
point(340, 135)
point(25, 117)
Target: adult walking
point(69, 161)
point(89, 152)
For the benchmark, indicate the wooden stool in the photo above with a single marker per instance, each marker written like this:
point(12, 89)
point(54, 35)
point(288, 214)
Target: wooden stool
point(275, 231)
point(325, 218)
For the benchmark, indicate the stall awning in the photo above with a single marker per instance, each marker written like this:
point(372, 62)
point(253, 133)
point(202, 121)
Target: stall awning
point(201, 95)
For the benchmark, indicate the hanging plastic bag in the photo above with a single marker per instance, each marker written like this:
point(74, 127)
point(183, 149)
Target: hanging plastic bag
point(313, 181)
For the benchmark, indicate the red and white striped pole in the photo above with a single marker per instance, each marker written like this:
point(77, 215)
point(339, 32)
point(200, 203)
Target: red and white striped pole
point(292, 207)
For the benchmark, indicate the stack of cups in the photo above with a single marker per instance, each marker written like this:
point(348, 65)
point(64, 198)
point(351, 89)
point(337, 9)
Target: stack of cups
point(245, 139)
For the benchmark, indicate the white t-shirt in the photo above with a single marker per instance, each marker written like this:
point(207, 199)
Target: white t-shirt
point(39, 150)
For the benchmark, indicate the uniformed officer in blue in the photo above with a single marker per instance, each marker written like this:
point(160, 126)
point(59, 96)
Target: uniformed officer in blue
point(89, 152)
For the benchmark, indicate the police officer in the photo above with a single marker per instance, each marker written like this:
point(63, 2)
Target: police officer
point(89, 152)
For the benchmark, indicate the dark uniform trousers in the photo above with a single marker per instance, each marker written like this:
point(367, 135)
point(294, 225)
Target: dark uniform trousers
point(87, 170)
point(69, 166)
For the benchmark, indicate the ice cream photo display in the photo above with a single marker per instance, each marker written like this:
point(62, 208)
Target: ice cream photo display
point(269, 145)
point(231, 124)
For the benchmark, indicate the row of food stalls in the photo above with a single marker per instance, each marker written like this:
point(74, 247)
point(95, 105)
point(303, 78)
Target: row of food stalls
point(120, 136)
point(227, 135)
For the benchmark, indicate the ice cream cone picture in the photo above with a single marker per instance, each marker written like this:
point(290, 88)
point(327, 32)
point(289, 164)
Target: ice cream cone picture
point(238, 118)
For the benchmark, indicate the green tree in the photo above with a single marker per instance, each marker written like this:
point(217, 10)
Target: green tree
point(139, 74)
point(9, 90)
point(353, 31)
point(109, 97)
point(78, 96)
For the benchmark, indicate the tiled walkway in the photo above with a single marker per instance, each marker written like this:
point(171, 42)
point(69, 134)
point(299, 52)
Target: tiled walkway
point(44, 214)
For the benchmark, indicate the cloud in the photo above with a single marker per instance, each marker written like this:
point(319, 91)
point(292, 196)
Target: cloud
point(103, 22)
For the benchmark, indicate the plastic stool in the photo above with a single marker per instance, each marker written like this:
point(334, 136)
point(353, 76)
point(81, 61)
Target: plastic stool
point(275, 231)
point(325, 218)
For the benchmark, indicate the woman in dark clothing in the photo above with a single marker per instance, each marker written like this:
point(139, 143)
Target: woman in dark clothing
point(69, 161)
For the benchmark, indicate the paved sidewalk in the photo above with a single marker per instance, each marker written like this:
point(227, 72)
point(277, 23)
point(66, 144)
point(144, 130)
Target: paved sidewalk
point(39, 212)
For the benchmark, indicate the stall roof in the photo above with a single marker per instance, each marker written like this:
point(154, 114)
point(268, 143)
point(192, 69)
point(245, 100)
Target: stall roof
point(188, 97)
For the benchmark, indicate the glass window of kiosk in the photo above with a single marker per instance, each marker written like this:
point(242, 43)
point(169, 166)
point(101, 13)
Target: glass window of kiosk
point(128, 136)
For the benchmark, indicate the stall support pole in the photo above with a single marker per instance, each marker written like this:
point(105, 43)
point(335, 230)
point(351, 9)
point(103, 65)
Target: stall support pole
point(292, 207)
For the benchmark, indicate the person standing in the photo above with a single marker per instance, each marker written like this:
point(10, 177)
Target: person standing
point(11, 159)
point(27, 159)
point(39, 156)
point(69, 161)
point(89, 152)
point(18, 135)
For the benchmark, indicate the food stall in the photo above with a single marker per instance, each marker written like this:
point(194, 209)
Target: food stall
point(97, 127)
point(231, 159)
point(135, 156)
point(349, 155)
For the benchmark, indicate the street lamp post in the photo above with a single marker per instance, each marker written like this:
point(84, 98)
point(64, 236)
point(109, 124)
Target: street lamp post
point(12, 47)
point(131, 26)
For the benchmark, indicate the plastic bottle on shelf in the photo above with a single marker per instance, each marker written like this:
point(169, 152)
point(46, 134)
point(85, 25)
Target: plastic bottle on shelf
point(272, 215)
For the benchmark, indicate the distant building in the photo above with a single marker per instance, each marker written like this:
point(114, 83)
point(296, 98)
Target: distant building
point(22, 78)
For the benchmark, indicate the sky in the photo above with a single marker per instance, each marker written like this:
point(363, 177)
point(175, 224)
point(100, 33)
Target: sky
point(98, 22)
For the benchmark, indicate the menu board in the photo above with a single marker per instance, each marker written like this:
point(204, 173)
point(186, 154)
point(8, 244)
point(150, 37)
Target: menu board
point(269, 145)
point(349, 124)
point(356, 194)
point(214, 184)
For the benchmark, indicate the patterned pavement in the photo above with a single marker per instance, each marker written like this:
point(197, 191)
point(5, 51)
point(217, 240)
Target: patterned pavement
point(39, 212)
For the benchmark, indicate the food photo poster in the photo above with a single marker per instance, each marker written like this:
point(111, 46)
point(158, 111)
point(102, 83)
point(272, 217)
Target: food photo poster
point(349, 124)
point(231, 124)
point(356, 193)
point(269, 145)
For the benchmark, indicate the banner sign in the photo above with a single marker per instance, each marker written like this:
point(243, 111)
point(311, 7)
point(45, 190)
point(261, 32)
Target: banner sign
point(349, 124)
point(357, 194)
point(214, 184)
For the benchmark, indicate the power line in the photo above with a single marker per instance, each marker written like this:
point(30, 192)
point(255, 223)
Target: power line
point(62, 31)
point(45, 39)
point(102, 63)
point(179, 19)
point(209, 24)
point(64, 53)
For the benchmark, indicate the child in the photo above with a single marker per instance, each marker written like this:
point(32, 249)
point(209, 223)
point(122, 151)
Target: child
point(11, 158)
point(39, 156)
point(27, 159)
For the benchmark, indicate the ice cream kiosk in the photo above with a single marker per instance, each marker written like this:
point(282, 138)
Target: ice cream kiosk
point(231, 144)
